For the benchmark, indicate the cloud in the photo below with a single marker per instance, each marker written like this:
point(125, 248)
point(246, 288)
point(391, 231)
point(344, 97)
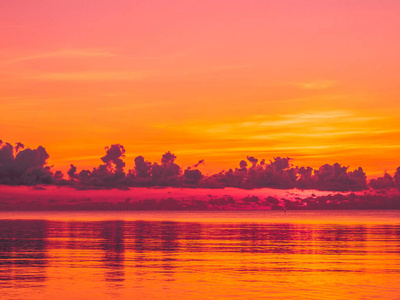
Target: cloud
point(142, 167)
point(201, 161)
point(192, 176)
point(382, 183)
point(93, 76)
point(23, 167)
point(61, 54)
point(320, 134)
point(264, 122)
point(253, 160)
point(386, 181)
point(337, 178)
point(113, 157)
point(316, 85)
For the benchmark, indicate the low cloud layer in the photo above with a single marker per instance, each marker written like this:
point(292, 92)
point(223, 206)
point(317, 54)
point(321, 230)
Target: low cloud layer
point(24, 166)
point(20, 166)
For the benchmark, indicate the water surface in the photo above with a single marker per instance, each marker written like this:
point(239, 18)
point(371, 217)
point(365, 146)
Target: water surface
point(204, 255)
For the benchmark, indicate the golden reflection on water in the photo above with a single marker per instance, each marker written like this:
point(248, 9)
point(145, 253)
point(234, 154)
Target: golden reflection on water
point(154, 259)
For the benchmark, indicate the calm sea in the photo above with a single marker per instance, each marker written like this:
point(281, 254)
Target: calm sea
point(200, 255)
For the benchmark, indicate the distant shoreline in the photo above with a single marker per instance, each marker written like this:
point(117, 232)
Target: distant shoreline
point(53, 198)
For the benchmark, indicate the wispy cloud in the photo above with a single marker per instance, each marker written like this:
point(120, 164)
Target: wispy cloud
point(93, 76)
point(305, 120)
point(322, 134)
point(307, 131)
point(61, 54)
point(127, 107)
point(316, 85)
point(295, 119)
point(80, 158)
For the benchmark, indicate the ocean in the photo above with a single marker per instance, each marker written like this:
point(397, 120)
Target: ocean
point(200, 255)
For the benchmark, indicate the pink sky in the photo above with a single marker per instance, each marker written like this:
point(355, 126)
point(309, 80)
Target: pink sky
point(213, 80)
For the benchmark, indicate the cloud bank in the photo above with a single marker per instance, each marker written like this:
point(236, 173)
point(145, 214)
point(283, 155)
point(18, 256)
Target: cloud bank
point(24, 166)
point(19, 166)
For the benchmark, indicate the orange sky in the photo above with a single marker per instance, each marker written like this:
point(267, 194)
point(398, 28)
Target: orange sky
point(216, 80)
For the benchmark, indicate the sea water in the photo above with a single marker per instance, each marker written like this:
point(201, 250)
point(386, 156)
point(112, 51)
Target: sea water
point(200, 255)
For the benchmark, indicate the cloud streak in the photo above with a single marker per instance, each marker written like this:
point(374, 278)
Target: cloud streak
point(61, 54)
point(316, 85)
point(93, 76)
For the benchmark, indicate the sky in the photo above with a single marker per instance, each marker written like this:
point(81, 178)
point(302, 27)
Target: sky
point(217, 80)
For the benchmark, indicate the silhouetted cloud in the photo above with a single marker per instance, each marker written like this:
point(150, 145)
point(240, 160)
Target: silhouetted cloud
point(336, 178)
point(382, 183)
point(201, 161)
point(110, 174)
point(386, 181)
point(25, 166)
point(192, 176)
point(72, 172)
point(19, 146)
point(397, 177)
point(253, 160)
point(171, 169)
point(142, 167)
point(243, 165)
point(113, 157)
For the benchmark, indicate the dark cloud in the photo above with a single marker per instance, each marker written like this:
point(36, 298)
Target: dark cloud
point(386, 181)
point(19, 146)
point(305, 178)
point(382, 183)
point(142, 167)
point(26, 167)
point(199, 163)
point(109, 174)
point(6, 154)
point(168, 158)
point(192, 176)
point(113, 157)
point(167, 173)
point(279, 173)
point(397, 177)
point(280, 163)
point(72, 172)
point(253, 160)
point(145, 173)
point(243, 165)
point(336, 178)
point(20, 165)
point(276, 174)
point(171, 169)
